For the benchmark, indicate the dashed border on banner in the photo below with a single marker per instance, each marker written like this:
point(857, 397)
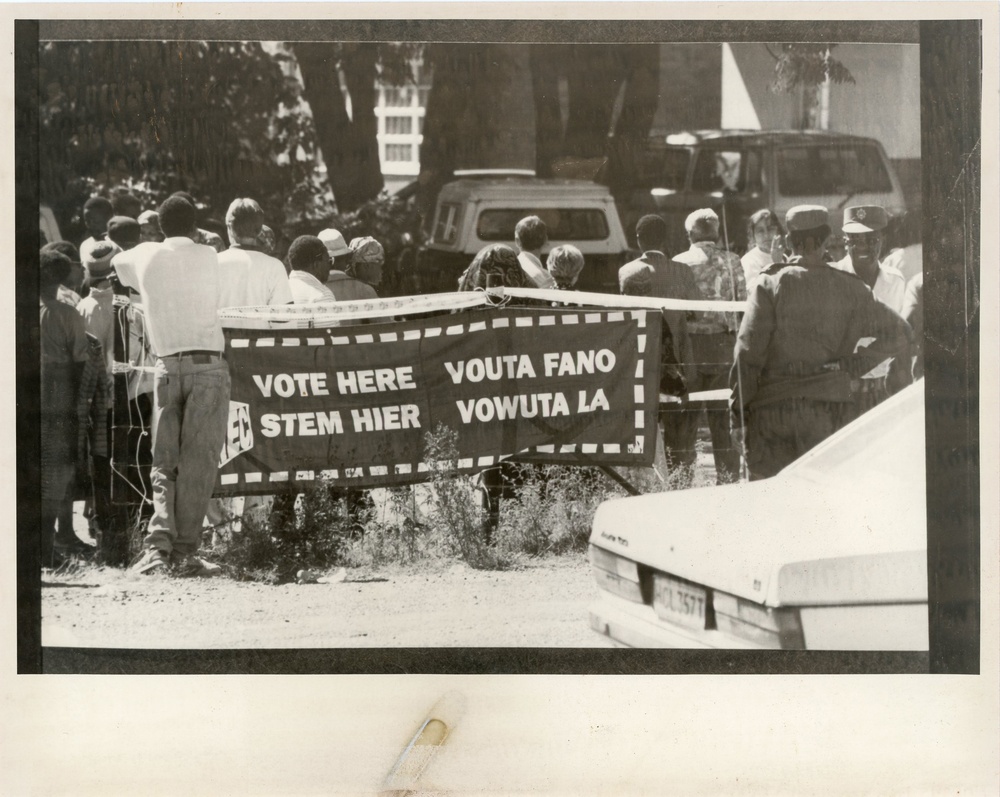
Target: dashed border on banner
point(335, 337)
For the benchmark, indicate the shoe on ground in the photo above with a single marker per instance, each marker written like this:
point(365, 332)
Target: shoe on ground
point(191, 566)
point(152, 559)
point(74, 546)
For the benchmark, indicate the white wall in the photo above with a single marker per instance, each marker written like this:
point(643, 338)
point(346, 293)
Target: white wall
point(884, 103)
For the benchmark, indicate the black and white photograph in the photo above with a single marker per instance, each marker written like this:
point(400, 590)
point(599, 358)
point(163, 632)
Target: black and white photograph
point(393, 345)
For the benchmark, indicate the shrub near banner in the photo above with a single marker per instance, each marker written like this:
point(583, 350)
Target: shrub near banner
point(353, 404)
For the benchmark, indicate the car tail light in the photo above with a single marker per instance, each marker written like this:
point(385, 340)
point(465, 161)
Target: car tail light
point(616, 574)
point(764, 626)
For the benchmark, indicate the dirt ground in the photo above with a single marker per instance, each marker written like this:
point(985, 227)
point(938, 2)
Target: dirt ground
point(436, 605)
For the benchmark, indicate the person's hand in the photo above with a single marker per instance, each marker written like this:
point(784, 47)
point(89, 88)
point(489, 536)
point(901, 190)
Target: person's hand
point(778, 249)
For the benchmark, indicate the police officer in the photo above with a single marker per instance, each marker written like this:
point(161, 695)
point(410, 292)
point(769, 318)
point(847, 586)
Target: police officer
point(863, 231)
point(864, 227)
point(795, 359)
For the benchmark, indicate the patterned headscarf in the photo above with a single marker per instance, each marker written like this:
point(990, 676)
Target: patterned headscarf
point(497, 260)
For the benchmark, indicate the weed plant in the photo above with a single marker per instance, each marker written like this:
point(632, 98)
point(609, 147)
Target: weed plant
point(550, 514)
point(312, 532)
point(552, 510)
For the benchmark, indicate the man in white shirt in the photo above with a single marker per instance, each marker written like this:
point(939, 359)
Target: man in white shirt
point(310, 266)
point(863, 229)
point(178, 282)
point(863, 226)
point(531, 235)
point(247, 276)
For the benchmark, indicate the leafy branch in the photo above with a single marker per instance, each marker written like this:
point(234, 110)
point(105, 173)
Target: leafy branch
point(806, 65)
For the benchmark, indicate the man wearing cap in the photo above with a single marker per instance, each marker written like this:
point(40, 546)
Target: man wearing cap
point(178, 282)
point(670, 279)
point(248, 277)
point(719, 275)
point(864, 227)
point(97, 311)
point(97, 308)
point(343, 286)
point(795, 356)
point(531, 235)
point(97, 212)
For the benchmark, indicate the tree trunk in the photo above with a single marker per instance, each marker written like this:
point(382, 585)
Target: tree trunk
point(480, 113)
point(642, 92)
point(595, 77)
point(545, 68)
point(350, 148)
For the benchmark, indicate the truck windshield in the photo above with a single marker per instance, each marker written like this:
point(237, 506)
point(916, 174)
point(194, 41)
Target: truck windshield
point(564, 224)
point(832, 169)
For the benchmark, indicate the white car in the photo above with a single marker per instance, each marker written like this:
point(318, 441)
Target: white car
point(830, 554)
point(475, 211)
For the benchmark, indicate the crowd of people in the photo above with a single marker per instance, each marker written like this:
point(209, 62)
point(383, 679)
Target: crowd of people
point(179, 277)
point(818, 342)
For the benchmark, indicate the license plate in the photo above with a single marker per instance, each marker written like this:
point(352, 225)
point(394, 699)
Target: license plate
point(679, 602)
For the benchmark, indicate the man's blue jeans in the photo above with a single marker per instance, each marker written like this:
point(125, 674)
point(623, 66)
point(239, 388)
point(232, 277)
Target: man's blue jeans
point(191, 405)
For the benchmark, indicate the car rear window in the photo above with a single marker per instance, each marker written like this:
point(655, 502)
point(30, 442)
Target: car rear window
point(564, 224)
point(843, 169)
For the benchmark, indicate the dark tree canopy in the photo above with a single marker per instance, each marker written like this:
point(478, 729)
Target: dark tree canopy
point(218, 119)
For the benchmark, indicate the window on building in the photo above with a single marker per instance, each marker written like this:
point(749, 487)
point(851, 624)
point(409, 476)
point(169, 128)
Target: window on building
point(399, 152)
point(398, 125)
point(397, 96)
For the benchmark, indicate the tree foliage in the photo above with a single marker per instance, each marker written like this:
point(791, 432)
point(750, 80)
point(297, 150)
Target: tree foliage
point(218, 119)
point(807, 65)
